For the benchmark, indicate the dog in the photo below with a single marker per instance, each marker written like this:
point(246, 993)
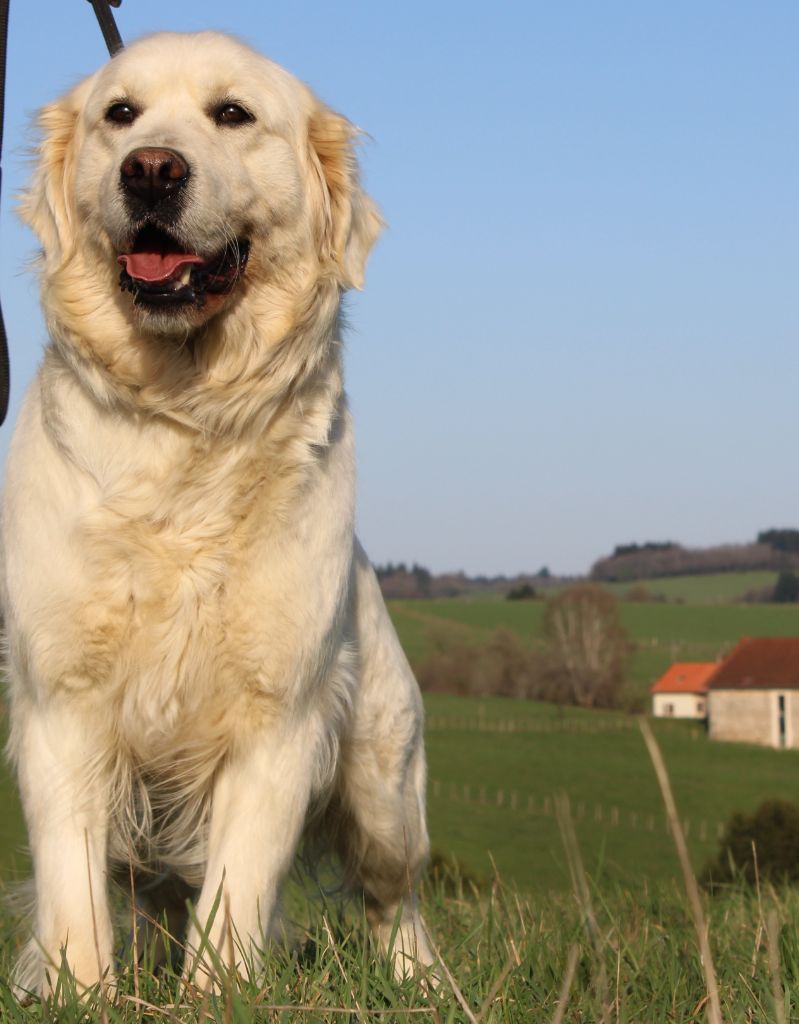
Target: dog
point(200, 658)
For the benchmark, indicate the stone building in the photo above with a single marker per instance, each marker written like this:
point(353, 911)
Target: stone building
point(753, 696)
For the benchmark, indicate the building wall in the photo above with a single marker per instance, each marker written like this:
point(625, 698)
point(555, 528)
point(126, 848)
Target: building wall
point(678, 705)
point(753, 716)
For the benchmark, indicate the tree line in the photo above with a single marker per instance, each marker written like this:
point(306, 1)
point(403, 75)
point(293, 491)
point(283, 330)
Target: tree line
point(774, 549)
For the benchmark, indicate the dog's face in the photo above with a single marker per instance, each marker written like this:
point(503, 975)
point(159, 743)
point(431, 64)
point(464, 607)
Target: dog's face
point(189, 171)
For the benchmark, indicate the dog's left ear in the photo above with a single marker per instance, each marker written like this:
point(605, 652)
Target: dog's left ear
point(352, 221)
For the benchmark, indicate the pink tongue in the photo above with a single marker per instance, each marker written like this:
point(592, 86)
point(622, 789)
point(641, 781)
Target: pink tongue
point(156, 267)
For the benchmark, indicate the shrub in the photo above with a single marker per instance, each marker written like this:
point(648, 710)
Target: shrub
point(780, 540)
point(500, 668)
point(786, 590)
point(524, 592)
point(773, 828)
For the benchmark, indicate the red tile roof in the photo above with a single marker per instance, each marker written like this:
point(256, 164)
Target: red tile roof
point(760, 663)
point(685, 677)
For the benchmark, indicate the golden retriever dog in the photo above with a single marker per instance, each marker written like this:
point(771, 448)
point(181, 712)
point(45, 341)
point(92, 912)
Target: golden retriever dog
point(199, 654)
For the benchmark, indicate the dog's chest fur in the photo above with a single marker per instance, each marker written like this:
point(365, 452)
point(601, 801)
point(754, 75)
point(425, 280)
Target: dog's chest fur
point(167, 547)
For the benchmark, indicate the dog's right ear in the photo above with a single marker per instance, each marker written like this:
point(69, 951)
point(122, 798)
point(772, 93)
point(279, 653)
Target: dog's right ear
point(47, 203)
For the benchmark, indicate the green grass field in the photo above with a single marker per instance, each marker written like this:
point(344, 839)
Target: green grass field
point(712, 588)
point(661, 633)
point(599, 761)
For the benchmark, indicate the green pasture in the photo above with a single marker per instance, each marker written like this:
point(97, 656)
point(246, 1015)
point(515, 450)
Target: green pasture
point(598, 760)
point(710, 588)
point(661, 632)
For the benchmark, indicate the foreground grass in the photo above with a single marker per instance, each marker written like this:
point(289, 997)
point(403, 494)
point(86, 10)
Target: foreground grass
point(611, 957)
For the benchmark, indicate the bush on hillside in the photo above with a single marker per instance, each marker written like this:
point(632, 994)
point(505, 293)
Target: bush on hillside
point(786, 590)
point(501, 668)
point(773, 828)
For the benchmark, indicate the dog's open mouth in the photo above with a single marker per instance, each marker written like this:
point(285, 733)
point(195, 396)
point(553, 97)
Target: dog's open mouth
point(159, 272)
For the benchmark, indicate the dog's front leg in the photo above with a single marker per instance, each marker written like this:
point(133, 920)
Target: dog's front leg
point(65, 799)
point(259, 806)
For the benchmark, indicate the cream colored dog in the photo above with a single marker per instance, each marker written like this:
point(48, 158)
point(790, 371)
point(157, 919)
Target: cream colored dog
point(199, 651)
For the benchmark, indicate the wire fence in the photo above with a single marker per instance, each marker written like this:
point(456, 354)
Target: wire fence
point(529, 805)
point(440, 723)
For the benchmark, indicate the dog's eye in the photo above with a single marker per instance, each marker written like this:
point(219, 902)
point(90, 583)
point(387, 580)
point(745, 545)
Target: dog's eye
point(121, 113)
point(231, 114)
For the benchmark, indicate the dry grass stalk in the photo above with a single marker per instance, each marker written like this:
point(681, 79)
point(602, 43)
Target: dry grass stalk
point(135, 923)
point(164, 1011)
point(761, 925)
point(394, 1011)
point(492, 995)
point(340, 965)
point(565, 988)
point(448, 975)
point(691, 887)
point(100, 972)
point(576, 869)
point(582, 892)
point(775, 970)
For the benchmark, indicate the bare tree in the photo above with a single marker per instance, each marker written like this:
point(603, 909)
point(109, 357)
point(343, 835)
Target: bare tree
point(587, 646)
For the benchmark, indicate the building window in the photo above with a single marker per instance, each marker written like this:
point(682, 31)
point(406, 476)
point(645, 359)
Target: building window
point(781, 718)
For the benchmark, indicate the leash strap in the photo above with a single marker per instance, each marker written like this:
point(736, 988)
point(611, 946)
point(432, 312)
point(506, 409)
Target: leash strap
point(108, 26)
point(5, 381)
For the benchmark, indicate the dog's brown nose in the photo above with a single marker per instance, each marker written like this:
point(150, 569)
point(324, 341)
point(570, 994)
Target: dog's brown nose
point(153, 174)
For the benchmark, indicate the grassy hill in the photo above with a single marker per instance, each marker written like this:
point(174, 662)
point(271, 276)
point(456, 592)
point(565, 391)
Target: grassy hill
point(709, 588)
point(662, 632)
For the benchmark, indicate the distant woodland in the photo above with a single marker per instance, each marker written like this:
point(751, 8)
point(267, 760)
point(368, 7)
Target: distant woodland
point(773, 549)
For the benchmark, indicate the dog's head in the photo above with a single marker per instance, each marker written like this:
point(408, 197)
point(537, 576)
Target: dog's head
point(189, 173)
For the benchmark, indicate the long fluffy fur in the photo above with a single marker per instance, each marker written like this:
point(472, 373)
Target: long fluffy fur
point(198, 650)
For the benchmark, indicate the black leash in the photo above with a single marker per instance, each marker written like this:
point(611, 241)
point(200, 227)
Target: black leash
point(5, 380)
point(108, 26)
point(113, 41)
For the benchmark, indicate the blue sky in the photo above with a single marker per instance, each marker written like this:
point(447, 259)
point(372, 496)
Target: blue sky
point(581, 326)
